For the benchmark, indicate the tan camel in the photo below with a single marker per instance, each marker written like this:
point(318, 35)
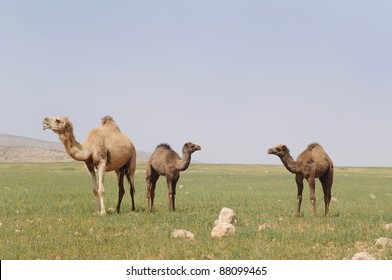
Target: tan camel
point(311, 164)
point(105, 149)
point(166, 162)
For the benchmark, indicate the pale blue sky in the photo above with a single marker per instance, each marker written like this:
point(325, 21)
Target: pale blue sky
point(235, 77)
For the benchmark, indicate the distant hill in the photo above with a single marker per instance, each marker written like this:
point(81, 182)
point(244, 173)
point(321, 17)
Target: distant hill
point(25, 149)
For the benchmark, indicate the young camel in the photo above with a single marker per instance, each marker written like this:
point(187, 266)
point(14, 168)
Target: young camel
point(105, 149)
point(166, 162)
point(311, 164)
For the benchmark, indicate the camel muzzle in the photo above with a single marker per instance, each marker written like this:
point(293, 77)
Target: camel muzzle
point(45, 126)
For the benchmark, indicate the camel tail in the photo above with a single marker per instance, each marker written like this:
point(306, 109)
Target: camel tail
point(132, 161)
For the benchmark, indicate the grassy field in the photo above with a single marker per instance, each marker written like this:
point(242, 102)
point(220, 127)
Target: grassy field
point(47, 213)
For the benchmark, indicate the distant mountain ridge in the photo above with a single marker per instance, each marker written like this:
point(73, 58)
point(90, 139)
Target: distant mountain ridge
point(20, 141)
point(25, 149)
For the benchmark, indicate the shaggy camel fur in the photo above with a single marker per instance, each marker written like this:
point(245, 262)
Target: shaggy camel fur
point(105, 149)
point(166, 162)
point(311, 164)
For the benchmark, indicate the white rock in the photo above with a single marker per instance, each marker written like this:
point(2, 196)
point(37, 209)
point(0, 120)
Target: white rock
point(372, 196)
point(182, 233)
point(387, 226)
point(384, 242)
point(363, 256)
point(227, 215)
point(223, 229)
point(262, 227)
point(334, 199)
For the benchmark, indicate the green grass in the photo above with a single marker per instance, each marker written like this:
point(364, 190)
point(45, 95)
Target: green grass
point(46, 212)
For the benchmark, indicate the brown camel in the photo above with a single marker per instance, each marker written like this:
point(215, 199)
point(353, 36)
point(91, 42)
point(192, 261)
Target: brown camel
point(105, 149)
point(311, 164)
point(166, 162)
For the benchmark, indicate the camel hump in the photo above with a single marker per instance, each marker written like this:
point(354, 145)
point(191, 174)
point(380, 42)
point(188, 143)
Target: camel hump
point(109, 121)
point(164, 146)
point(314, 145)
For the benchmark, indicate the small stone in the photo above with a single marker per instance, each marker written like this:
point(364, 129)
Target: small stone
point(184, 234)
point(262, 227)
point(223, 229)
point(227, 215)
point(384, 242)
point(387, 226)
point(363, 256)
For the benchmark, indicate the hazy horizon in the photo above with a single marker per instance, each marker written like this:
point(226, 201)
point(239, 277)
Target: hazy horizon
point(234, 77)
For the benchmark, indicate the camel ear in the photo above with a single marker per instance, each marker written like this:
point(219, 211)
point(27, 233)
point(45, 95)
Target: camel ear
point(285, 149)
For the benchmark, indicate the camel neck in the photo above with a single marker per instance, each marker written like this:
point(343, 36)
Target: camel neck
point(290, 164)
point(72, 147)
point(183, 164)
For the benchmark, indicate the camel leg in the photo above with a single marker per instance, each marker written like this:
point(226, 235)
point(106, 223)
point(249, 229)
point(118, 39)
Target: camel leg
point(174, 186)
point(300, 187)
point(131, 179)
point(91, 172)
point(152, 195)
point(148, 193)
point(121, 191)
point(169, 191)
point(148, 182)
point(326, 182)
point(101, 189)
point(312, 187)
point(151, 179)
point(171, 184)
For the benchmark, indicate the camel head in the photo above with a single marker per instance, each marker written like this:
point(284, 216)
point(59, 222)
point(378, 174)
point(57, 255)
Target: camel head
point(279, 150)
point(190, 147)
point(57, 124)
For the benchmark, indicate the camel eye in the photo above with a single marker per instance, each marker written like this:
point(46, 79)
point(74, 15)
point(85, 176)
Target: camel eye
point(57, 121)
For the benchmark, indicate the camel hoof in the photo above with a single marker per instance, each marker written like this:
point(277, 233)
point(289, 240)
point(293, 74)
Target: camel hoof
point(102, 213)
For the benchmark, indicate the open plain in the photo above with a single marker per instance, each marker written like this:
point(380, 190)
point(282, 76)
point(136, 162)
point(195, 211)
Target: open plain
point(47, 212)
